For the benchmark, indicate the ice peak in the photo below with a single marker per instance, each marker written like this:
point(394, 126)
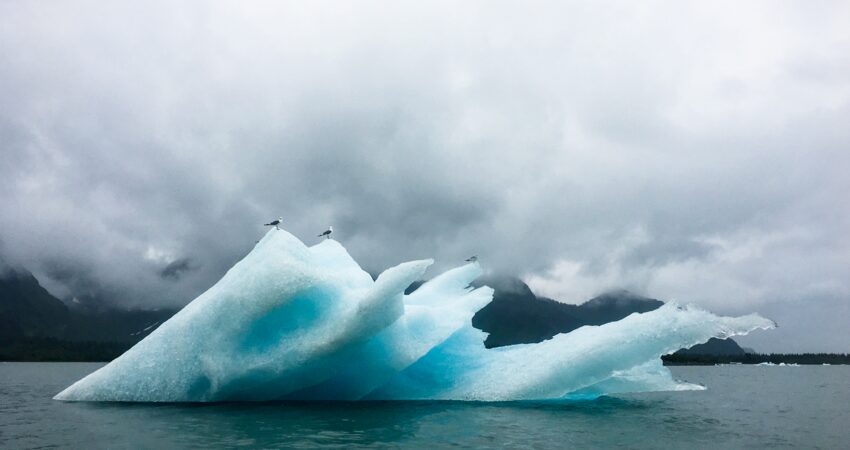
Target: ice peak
point(295, 322)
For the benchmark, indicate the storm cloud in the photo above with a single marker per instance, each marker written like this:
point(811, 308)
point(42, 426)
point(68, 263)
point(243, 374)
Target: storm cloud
point(688, 151)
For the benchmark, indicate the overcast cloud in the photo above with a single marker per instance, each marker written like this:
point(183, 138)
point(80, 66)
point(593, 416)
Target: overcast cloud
point(697, 151)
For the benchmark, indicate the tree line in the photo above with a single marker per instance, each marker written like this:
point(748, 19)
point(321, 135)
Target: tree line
point(757, 358)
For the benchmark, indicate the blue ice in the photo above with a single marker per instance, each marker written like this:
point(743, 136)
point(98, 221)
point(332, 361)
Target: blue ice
point(296, 322)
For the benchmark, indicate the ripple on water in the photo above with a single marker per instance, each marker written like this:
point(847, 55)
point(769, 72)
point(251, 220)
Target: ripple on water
point(805, 407)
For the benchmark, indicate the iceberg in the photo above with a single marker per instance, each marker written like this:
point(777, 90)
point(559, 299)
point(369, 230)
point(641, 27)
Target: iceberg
point(292, 322)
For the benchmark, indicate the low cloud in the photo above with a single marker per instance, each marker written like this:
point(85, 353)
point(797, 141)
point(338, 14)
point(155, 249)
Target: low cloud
point(696, 152)
point(176, 269)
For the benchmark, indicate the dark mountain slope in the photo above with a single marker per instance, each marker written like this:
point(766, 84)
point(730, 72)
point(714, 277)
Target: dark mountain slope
point(615, 305)
point(517, 316)
point(34, 325)
point(27, 309)
point(714, 346)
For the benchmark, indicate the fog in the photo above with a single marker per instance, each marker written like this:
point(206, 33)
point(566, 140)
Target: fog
point(696, 152)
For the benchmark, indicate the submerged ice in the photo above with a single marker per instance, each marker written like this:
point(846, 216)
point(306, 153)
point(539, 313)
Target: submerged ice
point(291, 322)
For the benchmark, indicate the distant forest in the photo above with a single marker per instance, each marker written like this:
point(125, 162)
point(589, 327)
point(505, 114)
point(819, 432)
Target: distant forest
point(52, 349)
point(678, 359)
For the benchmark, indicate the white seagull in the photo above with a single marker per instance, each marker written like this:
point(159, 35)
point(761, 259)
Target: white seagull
point(274, 223)
point(472, 258)
point(327, 232)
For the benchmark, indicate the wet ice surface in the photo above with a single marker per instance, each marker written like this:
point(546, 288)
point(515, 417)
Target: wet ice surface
point(307, 323)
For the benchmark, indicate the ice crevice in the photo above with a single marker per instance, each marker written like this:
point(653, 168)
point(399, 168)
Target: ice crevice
point(292, 322)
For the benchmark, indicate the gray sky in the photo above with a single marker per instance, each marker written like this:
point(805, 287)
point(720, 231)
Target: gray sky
point(696, 151)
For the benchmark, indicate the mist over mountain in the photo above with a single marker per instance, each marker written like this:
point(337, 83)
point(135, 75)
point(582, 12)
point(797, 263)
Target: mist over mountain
point(518, 316)
point(564, 145)
point(27, 310)
point(515, 316)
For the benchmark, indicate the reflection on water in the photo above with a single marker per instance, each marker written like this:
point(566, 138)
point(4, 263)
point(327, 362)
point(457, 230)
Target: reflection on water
point(353, 424)
point(744, 406)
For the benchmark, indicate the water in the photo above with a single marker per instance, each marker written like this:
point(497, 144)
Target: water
point(744, 406)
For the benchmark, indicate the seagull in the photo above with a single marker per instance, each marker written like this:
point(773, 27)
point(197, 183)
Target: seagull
point(274, 223)
point(327, 232)
point(473, 258)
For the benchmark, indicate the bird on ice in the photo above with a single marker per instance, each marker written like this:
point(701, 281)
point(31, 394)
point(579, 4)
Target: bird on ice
point(473, 258)
point(274, 223)
point(327, 233)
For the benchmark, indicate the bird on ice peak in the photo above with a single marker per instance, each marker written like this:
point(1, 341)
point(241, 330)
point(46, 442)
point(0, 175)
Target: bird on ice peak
point(274, 223)
point(327, 233)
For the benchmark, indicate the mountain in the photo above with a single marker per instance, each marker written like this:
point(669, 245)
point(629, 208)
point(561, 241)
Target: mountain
point(115, 325)
point(35, 325)
point(615, 305)
point(714, 346)
point(518, 316)
point(27, 311)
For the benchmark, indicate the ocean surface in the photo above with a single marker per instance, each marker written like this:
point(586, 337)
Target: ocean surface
point(743, 407)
